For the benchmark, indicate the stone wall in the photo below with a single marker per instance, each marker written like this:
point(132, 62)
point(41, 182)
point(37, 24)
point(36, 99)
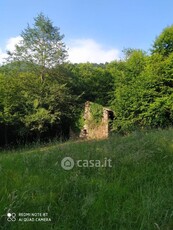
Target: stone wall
point(92, 130)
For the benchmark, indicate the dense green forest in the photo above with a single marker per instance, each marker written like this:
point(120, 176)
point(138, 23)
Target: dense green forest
point(42, 94)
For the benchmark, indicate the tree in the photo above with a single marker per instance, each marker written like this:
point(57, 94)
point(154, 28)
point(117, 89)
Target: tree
point(35, 99)
point(129, 96)
point(93, 82)
point(164, 42)
point(41, 46)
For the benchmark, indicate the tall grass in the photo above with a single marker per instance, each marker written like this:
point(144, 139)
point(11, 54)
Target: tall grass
point(136, 193)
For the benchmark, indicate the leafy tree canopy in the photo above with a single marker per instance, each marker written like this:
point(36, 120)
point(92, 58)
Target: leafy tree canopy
point(40, 45)
point(164, 42)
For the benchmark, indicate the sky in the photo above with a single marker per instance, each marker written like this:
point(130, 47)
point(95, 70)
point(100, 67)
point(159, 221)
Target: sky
point(95, 30)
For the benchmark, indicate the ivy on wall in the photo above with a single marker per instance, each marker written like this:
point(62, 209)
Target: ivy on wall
point(96, 111)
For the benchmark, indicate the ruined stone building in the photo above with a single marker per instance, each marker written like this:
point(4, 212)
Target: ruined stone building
point(97, 121)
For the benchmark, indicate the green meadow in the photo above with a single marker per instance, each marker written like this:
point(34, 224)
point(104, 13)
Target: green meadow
point(136, 193)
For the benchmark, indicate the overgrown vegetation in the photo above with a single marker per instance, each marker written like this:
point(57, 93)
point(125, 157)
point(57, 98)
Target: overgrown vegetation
point(96, 111)
point(135, 193)
point(42, 95)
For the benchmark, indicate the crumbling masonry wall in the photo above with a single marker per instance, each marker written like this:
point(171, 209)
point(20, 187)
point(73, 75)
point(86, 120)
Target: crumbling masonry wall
point(92, 129)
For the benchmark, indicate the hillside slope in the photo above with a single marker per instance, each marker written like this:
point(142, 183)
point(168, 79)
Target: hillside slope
point(135, 193)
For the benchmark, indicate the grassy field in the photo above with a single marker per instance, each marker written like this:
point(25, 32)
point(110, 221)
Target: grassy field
point(136, 193)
